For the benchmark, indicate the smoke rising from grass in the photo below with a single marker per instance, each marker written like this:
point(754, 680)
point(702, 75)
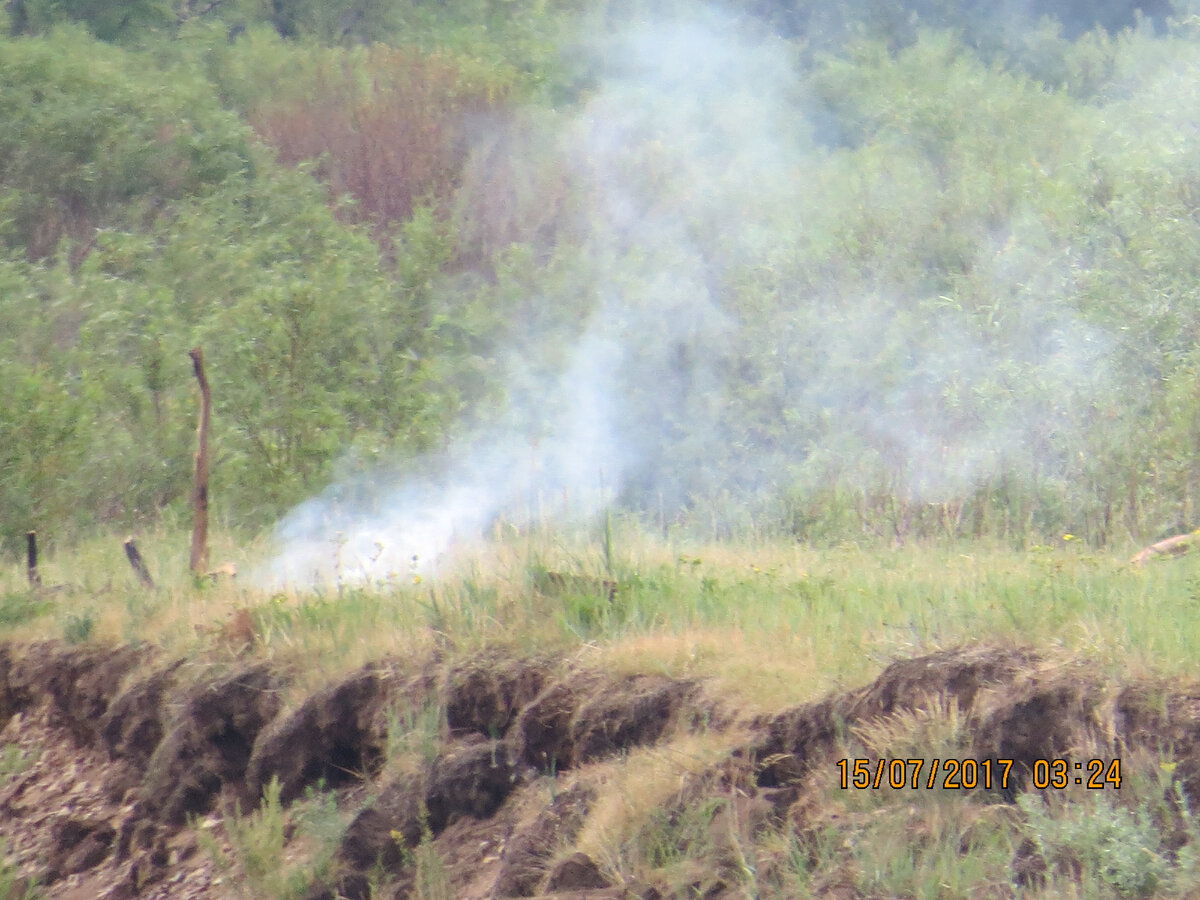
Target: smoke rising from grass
point(716, 353)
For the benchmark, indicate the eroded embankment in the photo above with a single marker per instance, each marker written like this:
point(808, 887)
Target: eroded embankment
point(116, 760)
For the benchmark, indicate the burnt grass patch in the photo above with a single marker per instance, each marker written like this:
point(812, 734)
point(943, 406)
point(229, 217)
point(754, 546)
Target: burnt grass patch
point(169, 745)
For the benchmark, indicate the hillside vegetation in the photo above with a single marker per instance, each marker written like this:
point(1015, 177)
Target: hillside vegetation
point(909, 275)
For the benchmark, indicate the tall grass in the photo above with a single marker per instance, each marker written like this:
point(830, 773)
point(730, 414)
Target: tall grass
point(771, 622)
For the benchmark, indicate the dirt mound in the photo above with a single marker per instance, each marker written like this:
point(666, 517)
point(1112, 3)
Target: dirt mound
point(527, 854)
point(14, 694)
point(794, 741)
point(577, 872)
point(79, 683)
point(468, 781)
point(123, 750)
point(1046, 718)
point(133, 725)
point(1166, 716)
point(486, 694)
point(471, 779)
point(587, 717)
point(210, 744)
point(79, 845)
point(384, 828)
point(336, 737)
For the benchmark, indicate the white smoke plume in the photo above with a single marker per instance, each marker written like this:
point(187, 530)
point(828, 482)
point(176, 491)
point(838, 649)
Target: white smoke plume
point(681, 149)
point(369, 530)
point(694, 153)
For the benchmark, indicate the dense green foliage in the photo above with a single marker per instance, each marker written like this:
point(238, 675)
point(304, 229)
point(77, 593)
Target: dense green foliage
point(962, 300)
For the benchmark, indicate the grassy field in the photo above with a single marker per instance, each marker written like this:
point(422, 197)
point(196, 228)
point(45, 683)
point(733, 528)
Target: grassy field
point(774, 623)
point(766, 627)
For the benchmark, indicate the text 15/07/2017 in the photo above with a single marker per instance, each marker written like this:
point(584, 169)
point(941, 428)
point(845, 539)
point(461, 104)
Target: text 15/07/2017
point(969, 774)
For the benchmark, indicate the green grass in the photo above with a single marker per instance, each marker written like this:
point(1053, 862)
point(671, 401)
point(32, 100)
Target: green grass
point(15, 760)
point(17, 607)
point(276, 853)
point(13, 886)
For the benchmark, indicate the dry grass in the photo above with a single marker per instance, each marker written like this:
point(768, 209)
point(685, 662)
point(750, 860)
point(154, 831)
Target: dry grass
point(634, 793)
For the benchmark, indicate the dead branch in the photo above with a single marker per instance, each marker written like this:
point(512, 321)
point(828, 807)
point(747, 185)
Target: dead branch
point(138, 564)
point(199, 558)
point(35, 576)
point(1172, 546)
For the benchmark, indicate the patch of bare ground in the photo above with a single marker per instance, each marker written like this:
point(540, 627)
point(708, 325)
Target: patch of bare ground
point(122, 770)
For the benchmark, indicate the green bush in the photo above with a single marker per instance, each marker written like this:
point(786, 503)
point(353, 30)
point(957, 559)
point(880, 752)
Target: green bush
point(1105, 844)
point(92, 137)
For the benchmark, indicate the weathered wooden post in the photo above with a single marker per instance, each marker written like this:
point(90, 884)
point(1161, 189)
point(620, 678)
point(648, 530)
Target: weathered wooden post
point(31, 568)
point(138, 564)
point(199, 558)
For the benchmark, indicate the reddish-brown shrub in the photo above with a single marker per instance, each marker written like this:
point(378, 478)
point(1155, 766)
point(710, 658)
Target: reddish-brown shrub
point(389, 127)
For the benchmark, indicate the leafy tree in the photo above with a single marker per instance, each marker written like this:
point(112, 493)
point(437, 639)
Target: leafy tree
point(89, 137)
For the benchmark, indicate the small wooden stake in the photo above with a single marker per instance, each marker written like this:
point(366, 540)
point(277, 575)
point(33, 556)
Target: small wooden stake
point(199, 558)
point(139, 564)
point(35, 580)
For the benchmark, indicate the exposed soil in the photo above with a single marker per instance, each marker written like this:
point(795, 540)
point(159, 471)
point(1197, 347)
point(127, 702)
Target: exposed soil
point(118, 767)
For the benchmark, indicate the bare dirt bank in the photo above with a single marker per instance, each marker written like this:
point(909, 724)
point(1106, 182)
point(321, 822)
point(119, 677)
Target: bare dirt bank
point(115, 760)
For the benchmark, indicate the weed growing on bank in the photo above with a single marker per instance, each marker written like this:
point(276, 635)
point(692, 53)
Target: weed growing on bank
point(274, 852)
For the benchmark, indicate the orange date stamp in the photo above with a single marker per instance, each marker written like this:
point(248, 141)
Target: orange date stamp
point(966, 774)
